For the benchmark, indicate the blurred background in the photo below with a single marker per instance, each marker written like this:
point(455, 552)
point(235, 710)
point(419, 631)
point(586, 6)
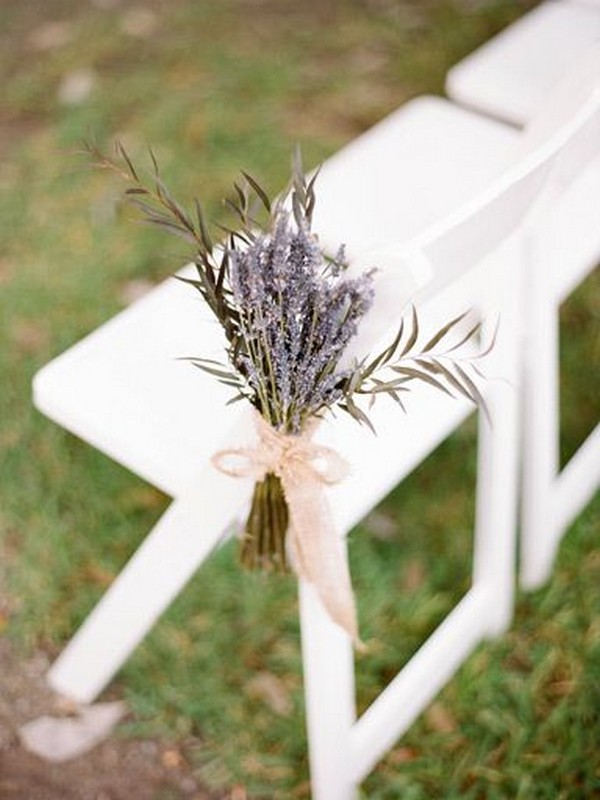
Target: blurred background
point(214, 88)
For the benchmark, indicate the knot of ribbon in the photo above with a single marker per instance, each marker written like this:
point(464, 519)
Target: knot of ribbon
point(292, 457)
point(317, 552)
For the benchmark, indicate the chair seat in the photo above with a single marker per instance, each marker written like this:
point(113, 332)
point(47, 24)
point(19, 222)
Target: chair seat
point(512, 75)
point(122, 388)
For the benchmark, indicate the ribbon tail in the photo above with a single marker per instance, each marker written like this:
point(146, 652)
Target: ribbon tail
point(319, 555)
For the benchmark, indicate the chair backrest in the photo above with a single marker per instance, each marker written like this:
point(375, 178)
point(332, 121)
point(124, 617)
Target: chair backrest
point(556, 148)
point(572, 106)
point(557, 145)
point(469, 268)
point(511, 75)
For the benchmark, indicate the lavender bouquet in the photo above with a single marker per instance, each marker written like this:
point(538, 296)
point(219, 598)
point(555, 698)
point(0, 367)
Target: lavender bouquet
point(288, 311)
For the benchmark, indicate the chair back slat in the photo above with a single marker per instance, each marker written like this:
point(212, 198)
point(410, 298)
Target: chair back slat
point(445, 250)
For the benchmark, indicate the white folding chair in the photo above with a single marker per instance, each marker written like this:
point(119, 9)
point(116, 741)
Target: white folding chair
point(123, 390)
point(509, 77)
point(497, 281)
point(117, 388)
point(343, 749)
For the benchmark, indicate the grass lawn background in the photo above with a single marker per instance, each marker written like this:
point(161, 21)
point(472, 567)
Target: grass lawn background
point(216, 87)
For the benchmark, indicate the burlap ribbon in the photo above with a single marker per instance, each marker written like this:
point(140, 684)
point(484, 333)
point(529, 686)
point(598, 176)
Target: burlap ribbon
point(316, 551)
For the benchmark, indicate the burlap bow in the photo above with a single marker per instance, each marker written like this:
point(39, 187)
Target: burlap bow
point(316, 551)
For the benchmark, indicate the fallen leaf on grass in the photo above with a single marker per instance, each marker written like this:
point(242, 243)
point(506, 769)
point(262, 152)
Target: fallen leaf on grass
point(562, 688)
point(76, 87)
point(439, 719)
point(98, 575)
point(413, 576)
point(60, 739)
point(272, 690)
point(29, 337)
point(141, 498)
point(402, 755)
point(172, 759)
point(139, 22)
point(51, 35)
point(381, 526)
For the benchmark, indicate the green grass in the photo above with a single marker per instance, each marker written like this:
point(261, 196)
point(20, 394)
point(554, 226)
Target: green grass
point(222, 86)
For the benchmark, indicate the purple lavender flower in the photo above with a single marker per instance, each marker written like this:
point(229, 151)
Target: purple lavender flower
point(297, 315)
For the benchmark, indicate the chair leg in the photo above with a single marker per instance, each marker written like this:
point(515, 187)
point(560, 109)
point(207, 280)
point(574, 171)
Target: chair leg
point(496, 515)
point(154, 576)
point(540, 444)
point(498, 476)
point(329, 697)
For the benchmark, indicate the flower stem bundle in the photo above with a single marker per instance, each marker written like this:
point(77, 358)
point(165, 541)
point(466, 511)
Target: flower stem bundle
point(264, 538)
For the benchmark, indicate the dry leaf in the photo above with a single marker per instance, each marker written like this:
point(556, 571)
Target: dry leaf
point(439, 719)
point(51, 35)
point(76, 87)
point(29, 337)
point(172, 759)
point(272, 690)
point(402, 755)
point(381, 526)
point(139, 22)
point(414, 575)
point(98, 575)
point(59, 739)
